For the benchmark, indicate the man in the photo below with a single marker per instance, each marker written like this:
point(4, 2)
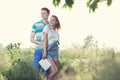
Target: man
point(36, 36)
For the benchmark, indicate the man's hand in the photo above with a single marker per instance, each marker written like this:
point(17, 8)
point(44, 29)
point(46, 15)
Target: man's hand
point(40, 43)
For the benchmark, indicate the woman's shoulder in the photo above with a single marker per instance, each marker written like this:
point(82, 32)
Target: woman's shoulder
point(46, 28)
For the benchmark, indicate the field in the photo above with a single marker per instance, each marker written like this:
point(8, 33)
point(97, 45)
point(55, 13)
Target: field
point(85, 62)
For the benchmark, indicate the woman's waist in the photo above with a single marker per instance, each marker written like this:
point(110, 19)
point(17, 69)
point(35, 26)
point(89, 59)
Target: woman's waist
point(53, 46)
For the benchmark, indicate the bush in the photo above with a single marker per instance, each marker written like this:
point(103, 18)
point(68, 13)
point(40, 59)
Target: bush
point(22, 71)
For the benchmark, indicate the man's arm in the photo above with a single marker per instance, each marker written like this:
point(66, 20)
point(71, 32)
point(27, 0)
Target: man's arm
point(32, 39)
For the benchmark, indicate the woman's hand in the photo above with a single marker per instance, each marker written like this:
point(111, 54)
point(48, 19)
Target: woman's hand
point(44, 56)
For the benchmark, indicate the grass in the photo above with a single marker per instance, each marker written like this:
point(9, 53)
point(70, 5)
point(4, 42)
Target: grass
point(77, 63)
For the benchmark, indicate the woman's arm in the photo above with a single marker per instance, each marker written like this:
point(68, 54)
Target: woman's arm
point(45, 35)
point(32, 39)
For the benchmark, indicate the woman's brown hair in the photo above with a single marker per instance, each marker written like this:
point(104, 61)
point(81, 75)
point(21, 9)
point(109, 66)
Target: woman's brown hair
point(57, 26)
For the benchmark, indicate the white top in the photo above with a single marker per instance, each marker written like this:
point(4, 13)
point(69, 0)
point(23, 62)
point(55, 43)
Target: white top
point(53, 35)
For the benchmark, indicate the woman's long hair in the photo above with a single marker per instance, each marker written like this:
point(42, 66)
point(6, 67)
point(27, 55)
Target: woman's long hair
point(57, 26)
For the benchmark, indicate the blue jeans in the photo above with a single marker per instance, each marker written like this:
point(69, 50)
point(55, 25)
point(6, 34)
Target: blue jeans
point(37, 57)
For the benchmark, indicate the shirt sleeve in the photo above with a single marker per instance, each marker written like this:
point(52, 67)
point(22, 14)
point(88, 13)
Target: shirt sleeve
point(46, 29)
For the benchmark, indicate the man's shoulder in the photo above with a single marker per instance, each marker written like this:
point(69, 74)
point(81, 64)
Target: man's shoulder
point(39, 24)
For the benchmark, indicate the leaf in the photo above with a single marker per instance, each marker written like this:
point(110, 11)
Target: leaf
point(69, 3)
point(88, 3)
point(109, 2)
point(56, 2)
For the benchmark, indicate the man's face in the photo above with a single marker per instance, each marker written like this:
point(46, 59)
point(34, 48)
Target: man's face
point(44, 14)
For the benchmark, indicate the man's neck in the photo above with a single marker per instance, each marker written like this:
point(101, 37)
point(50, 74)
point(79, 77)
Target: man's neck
point(45, 20)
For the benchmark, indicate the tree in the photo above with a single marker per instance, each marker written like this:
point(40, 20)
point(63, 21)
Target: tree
point(91, 4)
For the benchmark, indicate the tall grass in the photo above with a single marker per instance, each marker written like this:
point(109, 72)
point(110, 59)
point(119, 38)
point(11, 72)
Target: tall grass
point(19, 67)
point(86, 62)
point(91, 63)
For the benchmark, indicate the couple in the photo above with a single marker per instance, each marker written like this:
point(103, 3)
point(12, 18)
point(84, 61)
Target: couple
point(45, 35)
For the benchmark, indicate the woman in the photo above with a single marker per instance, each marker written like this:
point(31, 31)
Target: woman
point(50, 45)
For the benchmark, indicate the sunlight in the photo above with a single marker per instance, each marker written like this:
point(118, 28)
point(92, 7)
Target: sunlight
point(16, 23)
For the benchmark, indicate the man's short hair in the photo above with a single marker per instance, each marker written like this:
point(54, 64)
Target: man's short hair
point(46, 9)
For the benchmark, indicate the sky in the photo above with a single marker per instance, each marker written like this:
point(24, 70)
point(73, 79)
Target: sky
point(18, 16)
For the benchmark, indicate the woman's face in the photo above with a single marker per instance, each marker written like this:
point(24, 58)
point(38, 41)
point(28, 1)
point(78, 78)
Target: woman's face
point(53, 21)
point(44, 14)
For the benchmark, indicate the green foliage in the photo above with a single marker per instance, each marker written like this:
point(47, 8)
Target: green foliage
point(77, 63)
point(91, 4)
point(109, 2)
point(88, 41)
point(2, 77)
point(22, 71)
point(91, 63)
point(4, 60)
point(13, 49)
point(68, 3)
point(56, 2)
